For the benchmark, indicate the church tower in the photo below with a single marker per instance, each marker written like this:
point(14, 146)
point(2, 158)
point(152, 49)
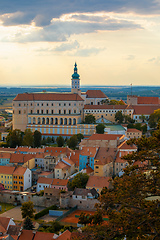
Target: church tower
point(75, 81)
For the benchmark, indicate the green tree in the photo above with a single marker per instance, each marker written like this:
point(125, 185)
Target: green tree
point(80, 136)
point(28, 224)
point(100, 128)
point(27, 209)
point(128, 119)
point(85, 218)
point(14, 138)
point(133, 204)
point(89, 118)
point(79, 181)
point(60, 141)
point(154, 118)
point(113, 102)
point(72, 142)
point(37, 138)
point(28, 138)
point(119, 117)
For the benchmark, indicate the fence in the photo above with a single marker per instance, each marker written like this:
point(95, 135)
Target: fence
point(66, 213)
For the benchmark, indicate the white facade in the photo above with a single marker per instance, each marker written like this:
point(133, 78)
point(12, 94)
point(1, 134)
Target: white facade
point(27, 179)
point(41, 186)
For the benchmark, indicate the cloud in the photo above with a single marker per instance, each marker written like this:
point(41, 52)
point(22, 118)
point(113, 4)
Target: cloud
point(60, 30)
point(67, 47)
point(130, 57)
point(155, 60)
point(42, 12)
point(86, 52)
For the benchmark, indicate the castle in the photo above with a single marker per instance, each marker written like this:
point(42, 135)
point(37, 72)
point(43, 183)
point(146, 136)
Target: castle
point(55, 114)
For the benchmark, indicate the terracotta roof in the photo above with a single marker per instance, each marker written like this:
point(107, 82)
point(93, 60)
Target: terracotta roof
point(13, 230)
point(48, 97)
point(67, 160)
point(97, 182)
point(44, 174)
point(95, 94)
point(145, 110)
point(105, 155)
point(88, 151)
point(4, 221)
point(124, 145)
point(89, 170)
point(26, 235)
point(133, 130)
point(65, 235)
point(45, 180)
point(62, 165)
point(44, 236)
point(74, 156)
point(6, 170)
point(19, 171)
point(10, 150)
point(5, 155)
point(21, 158)
point(119, 159)
point(105, 136)
point(113, 107)
point(60, 182)
point(148, 100)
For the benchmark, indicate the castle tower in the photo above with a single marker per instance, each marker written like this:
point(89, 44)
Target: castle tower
point(75, 81)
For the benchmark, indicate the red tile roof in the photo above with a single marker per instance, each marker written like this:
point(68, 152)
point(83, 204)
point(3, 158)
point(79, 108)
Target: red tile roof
point(88, 151)
point(124, 145)
point(6, 170)
point(105, 155)
point(119, 107)
point(133, 130)
point(145, 110)
point(45, 180)
point(65, 235)
point(48, 97)
point(60, 182)
point(105, 136)
point(21, 158)
point(148, 100)
point(26, 235)
point(5, 155)
point(19, 171)
point(97, 182)
point(4, 221)
point(95, 94)
point(62, 165)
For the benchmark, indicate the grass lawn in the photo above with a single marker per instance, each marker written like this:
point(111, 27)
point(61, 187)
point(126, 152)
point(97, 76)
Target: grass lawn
point(6, 206)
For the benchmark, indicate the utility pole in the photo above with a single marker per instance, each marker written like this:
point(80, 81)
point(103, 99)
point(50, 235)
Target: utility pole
point(131, 89)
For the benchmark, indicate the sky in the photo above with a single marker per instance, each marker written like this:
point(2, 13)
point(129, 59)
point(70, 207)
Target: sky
point(114, 42)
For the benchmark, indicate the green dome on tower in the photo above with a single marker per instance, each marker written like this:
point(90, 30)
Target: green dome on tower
point(75, 75)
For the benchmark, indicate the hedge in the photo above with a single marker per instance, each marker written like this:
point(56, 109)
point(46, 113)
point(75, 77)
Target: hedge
point(45, 211)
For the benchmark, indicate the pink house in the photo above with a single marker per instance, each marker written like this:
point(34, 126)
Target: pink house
point(60, 184)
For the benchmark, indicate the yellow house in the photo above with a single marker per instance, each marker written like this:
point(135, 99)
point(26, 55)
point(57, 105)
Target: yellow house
point(6, 176)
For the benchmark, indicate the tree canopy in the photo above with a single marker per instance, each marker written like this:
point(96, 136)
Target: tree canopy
point(100, 128)
point(37, 138)
point(72, 142)
point(133, 203)
point(28, 224)
point(90, 118)
point(28, 139)
point(27, 209)
point(60, 141)
point(79, 181)
point(154, 118)
point(119, 117)
point(14, 138)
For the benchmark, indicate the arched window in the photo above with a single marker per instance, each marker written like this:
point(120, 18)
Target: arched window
point(74, 121)
point(43, 120)
point(39, 121)
point(70, 121)
point(34, 120)
point(56, 121)
point(47, 120)
point(61, 121)
point(29, 120)
point(65, 121)
point(51, 120)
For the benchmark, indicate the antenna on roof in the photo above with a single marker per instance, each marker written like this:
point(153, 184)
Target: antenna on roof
point(131, 89)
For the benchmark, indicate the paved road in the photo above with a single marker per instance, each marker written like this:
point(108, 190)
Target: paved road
point(15, 213)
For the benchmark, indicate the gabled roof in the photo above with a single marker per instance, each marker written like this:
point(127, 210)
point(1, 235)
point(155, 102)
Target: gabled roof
point(88, 151)
point(145, 110)
point(95, 94)
point(124, 145)
point(60, 182)
point(98, 182)
point(47, 97)
point(19, 171)
point(105, 155)
point(26, 235)
point(133, 130)
point(44, 180)
point(97, 136)
point(148, 100)
point(4, 221)
point(6, 170)
point(5, 155)
point(84, 192)
point(21, 158)
point(62, 165)
point(13, 230)
point(65, 235)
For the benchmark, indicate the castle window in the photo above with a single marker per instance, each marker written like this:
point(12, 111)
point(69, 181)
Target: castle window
point(59, 104)
point(37, 111)
point(19, 111)
point(31, 111)
point(59, 111)
point(52, 104)
point(69, 104)
point(69, 111)
point(37, 104)
point(64, 104)
point(42, 111)
point(47, 104)
point(46, 111)
point(74, 111)
point(52, 111)
point(31, 104)
point(42, 104)
point(64, 111)
point(19, 104)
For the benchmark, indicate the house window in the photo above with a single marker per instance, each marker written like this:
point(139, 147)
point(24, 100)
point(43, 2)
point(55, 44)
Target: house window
point(19, 111)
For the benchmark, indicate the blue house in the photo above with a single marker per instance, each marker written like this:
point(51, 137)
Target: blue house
point(86, 157)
